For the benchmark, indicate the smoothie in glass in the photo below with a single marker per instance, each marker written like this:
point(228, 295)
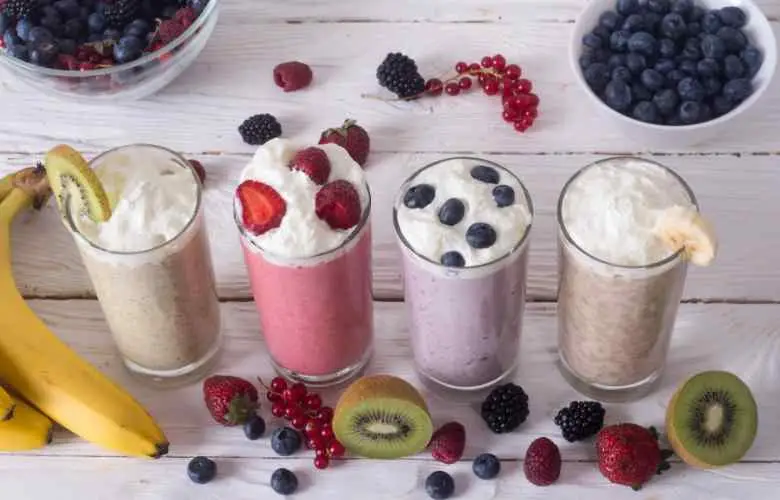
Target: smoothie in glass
point(463, 226)
point(304, 218)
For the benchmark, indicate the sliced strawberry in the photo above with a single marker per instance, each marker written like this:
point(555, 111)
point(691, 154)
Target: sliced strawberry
point(338, 204)
point(262, 208)
point(313, 162)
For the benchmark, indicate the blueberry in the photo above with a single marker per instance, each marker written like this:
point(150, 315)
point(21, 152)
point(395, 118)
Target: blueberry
point(503, 195)
point(664, 66)
point(284, 482)
point(753, 58)
point(692, 49)
point(480, 235)
point(68, 8)
point(621, 73)
point(733, 67)
point(674, 120)
point(254, 427)
point(40, 34)
point(44, 53)
point(73, 28)
point(485, 174)
point(201, 470)
point(682, 6)
point(694, 29)
point(618, 42)
point(20, 51)
point(601, 55)
point(112, 34)
point(94, 37)
point(593, 41)
point(667, 48)
point(713, 47)
point(67, 46)
point(666, 101)
point(627, 7)
point(697, 14)
point(707, 67)
point(721, 105)
point(690, 112)
point(732, 16)
point(285, 441)
point(96, 22)
point(633, 23)
point(169, 11)
point(602, 32)
point(53, 24)
point(653, 80)
point(617, 95)
point(645, 111)
point(734, 39)
point(690, 89)
point(586, 60)
point(128, 48)
point(712, 86)
point(10, 38)
point(419, 196)
point(5, 22)
point(610, 20)
point(673, 26)
point(486, 466)
point(659, 6)
point(198, 5)
point(711, 22)
point(652, 20)
point(138, 27)
point(439, 485)
point(49, 11)
point(705, 113)
point(616, 60)
point(737, 90)
point(451, 212)
point(636, 63)
point(689, 67)
point(640, 93)
point(674, 77)
point(643, 43)
point(452, 259)
point(23, 29)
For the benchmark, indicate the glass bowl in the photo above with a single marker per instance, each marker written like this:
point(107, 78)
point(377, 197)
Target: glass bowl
point(131, 81)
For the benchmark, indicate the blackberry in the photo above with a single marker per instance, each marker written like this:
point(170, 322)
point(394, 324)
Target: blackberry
point(580, 420)
point(505, 408)
point(121, 12)
point(17, 9)
point(398, 74)
point(259, 129)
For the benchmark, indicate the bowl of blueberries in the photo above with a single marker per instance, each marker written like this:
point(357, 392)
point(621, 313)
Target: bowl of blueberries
point(102, 50)
point(673, 73)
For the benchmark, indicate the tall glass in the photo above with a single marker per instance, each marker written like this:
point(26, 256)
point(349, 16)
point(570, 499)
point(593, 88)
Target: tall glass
point(161, 304)
point(316, 313)
point(465, 323)
point(614, 321)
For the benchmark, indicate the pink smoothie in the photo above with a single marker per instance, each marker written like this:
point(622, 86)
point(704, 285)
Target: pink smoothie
point(317, 318)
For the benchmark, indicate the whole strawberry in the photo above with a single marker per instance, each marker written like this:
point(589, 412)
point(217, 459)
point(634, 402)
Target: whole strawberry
point(230, 400)
point(351, 137)
point(628, 454)
point(542, 465)
point(448, 443)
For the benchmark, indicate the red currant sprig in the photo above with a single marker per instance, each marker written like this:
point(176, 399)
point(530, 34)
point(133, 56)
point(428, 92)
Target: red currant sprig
point(306, 413)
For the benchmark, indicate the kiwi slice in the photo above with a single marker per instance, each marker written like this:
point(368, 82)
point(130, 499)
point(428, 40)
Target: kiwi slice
point(712, 419)
point(72, 181)
point(382, 416)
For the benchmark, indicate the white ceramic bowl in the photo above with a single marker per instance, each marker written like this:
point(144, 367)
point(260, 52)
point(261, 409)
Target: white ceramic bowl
point(760, 34)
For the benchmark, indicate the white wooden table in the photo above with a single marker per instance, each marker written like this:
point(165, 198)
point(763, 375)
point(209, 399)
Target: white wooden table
point(730, 319)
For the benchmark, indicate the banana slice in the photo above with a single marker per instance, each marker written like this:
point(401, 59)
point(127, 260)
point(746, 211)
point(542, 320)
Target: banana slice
point(683, 227)
point(71, 179)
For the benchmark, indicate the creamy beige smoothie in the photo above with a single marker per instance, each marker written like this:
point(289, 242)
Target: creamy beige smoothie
point(150, 263)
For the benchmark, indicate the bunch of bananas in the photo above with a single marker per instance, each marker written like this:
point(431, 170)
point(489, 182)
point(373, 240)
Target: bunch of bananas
point(48, 381)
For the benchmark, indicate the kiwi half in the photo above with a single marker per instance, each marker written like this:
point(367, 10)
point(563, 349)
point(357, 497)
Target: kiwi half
point(382, 416)
point(712, 419)
point(71, 179)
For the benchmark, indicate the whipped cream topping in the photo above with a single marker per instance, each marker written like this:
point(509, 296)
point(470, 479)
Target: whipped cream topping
point(612, 207)
point(152, 199)
point(427, 236)
point(301, 233)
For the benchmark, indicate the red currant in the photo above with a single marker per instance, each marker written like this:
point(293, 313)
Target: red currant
point(312, 428)
point(316, 443)
point(312, 401)
point(487, 62)
point(273, 396)
point(513, 72)
point(499, 62)
point(461, 67)
point(321, 452)
point(336, 449)
point(299, 422)
point(465, 83)
point(531, 112)
point(292, 411)
point(510, 114)
point(325, 414)
point(491, 87)
point(524, 85)
point(321, 462)
point(299, 391)
point(326, 433)
point(474, 68)
point(507, 100)
point(434, 86)
point(534, 99)
point(278, 409)
point(521, 101)
point(520, 126)
point(452, 89)
point(527, 121)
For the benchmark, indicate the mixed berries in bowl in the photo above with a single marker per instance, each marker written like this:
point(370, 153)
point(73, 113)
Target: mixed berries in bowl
point(673, 73)
point(103, 50)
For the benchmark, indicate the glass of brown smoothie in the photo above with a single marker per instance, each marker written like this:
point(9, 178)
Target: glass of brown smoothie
point(150, 263)
point(627, 229)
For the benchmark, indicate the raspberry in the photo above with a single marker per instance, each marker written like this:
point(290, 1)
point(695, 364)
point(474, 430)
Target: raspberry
point(338, 204)
point(169, 30)
point(292, 75)
point(505, 408)
point(259, 129)
point(398, 74)
point(185, 16)
point(542, 465)
point(580, 420)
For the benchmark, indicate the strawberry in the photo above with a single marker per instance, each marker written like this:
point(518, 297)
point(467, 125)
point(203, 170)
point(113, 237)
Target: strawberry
point(292, 75)
point(230, 400)
point(262, 208)
point(542, 465)
point(338, 204)
point(448, 443)
point(313, 162)
point(629, 454)
point(351, 137)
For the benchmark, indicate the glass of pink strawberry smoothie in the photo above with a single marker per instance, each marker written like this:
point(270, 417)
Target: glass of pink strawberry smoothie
point(311, 282)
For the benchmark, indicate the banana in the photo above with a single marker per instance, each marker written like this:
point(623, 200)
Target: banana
point(684, 228)
point(6, 185)
point(49, 374)
point(28, 429)
point(7, 405)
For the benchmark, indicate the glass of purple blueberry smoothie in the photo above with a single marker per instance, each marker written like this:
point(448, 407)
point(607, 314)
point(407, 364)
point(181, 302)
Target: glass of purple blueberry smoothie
point(463, 226)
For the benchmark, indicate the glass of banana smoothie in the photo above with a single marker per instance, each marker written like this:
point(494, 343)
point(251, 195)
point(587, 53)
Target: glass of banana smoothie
point(627, 229)
point(149, 262)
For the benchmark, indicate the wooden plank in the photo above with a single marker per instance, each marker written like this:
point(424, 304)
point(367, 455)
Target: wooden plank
point(738, 193)
point(740, 338)
point(248, 479)
point(232, 80)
